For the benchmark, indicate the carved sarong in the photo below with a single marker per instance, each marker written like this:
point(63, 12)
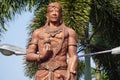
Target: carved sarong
point(51, 71)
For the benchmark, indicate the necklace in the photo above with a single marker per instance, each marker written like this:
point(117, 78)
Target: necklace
point(52, 32)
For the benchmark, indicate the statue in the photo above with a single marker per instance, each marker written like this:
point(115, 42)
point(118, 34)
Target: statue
point(53, 46)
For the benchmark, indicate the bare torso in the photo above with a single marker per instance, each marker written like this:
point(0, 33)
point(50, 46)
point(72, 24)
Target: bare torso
point(58, 39)
point(59, 44)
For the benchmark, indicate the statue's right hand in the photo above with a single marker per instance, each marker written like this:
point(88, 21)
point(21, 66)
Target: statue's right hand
point(47, 52)
point(47, 47)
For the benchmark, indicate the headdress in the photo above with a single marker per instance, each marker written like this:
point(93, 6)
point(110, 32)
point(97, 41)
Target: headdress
point(54, 5)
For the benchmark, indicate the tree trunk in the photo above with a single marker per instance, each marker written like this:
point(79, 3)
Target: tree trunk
point(98, 73)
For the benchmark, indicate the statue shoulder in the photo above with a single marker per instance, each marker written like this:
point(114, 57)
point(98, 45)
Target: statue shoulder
point(38, 31)
point(71, 31)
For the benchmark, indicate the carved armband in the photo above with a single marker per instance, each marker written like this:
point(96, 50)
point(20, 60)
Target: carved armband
point(35, 56)
point(35, 43)
point(72, 44)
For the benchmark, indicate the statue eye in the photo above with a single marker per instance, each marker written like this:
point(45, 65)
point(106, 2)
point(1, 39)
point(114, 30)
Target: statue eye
point(51, 10)
point(57, 10)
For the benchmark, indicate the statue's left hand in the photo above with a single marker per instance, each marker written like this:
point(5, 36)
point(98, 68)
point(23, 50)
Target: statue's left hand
point(71, 75)
point(68, 75)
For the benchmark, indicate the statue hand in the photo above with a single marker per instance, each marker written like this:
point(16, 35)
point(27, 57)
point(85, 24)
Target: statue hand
point(47, 52)
point(68, 75)
point(47, 47)
point(71, 75)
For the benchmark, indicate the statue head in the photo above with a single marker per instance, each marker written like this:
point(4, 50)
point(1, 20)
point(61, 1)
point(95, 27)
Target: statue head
point(54, 13)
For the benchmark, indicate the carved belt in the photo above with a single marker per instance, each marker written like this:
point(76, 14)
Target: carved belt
point(51, 66)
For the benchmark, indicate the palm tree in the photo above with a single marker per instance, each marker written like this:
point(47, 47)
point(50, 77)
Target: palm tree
point(105, 17)
point(8, 8)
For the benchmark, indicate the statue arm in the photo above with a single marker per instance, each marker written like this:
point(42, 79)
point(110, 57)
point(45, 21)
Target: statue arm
point(72, 49)
point(32, 48)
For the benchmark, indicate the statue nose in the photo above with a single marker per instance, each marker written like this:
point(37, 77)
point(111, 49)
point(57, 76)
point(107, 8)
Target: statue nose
point(54, 13)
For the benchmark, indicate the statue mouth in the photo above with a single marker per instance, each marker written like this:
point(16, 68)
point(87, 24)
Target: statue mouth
point(54, 17)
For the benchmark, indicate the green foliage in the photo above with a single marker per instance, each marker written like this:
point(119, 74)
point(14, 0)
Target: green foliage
point(103, 74)
point(105, 17)
point(8, 8)
point(30, 68)
point(76, 16)
point(80, 69)
point(39, 20)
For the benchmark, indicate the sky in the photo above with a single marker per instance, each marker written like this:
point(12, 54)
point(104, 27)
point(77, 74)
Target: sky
point(12, 67)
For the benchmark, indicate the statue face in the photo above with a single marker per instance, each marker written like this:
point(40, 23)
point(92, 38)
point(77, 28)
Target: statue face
point(54, 14)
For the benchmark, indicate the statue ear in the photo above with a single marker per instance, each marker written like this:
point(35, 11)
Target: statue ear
point(61, 21)
point(47, 15)
point(47, 21)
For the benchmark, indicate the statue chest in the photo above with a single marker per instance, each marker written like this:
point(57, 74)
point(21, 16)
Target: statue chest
point(55, 38)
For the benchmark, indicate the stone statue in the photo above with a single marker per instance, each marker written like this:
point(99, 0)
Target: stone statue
point(53, 46)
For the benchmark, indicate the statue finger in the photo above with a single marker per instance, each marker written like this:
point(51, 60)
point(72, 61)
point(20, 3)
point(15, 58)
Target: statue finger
point(68, 76)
